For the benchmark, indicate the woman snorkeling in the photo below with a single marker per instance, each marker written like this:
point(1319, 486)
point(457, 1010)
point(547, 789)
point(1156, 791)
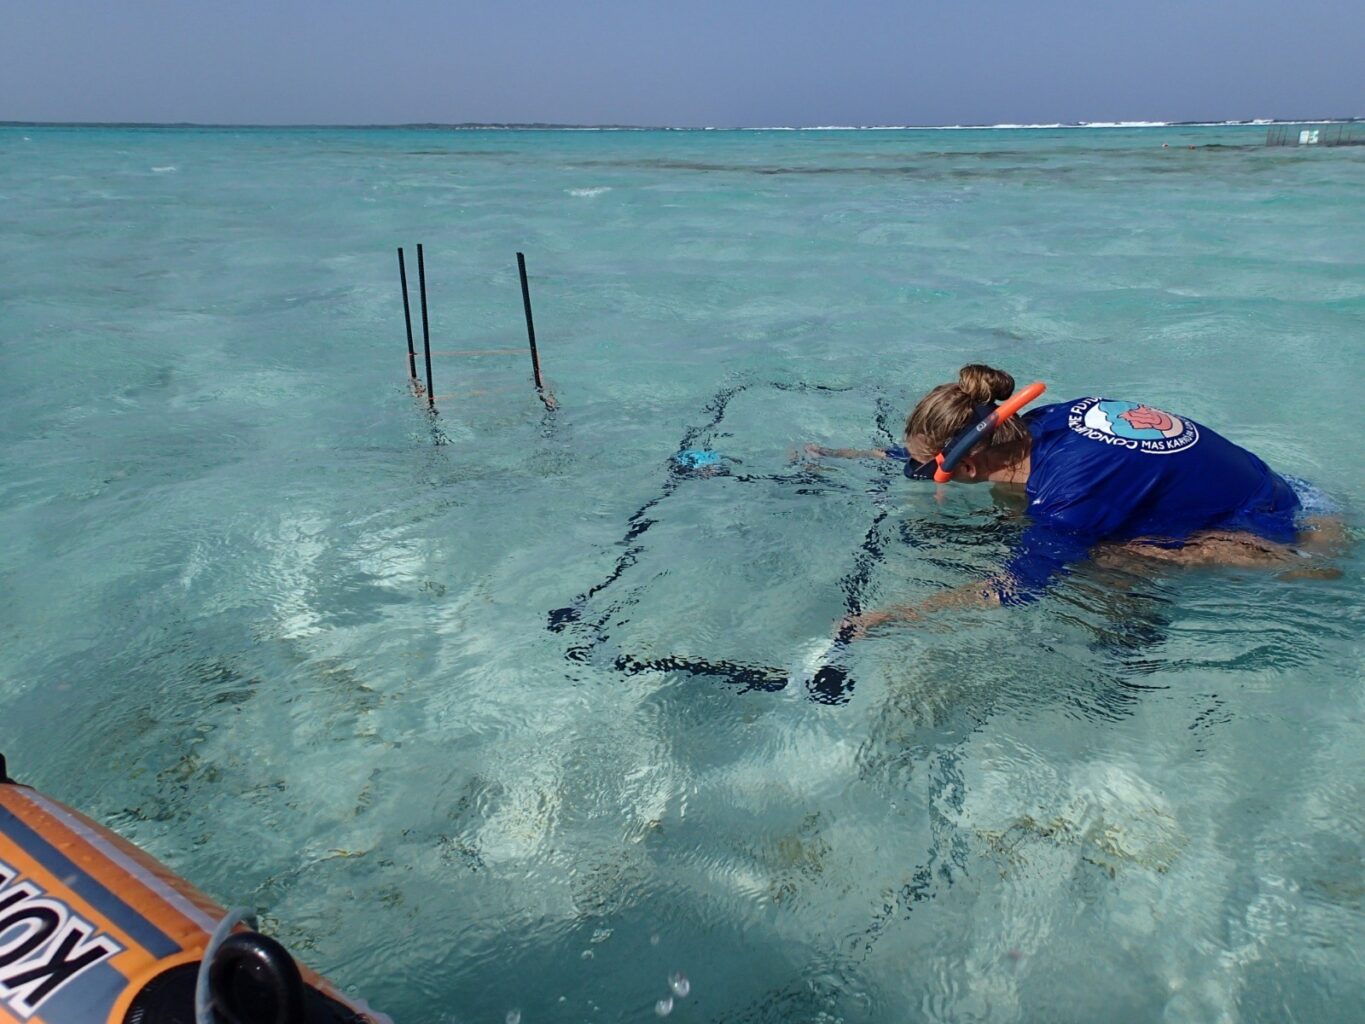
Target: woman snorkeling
point(1101, 478)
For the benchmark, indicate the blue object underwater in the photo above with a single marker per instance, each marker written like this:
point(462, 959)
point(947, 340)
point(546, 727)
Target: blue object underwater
point(696, 458)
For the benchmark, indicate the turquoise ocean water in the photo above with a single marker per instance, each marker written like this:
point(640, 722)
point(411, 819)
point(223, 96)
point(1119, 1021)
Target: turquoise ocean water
point(263, 617)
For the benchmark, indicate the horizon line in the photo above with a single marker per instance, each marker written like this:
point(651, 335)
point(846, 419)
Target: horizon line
point(570, 126)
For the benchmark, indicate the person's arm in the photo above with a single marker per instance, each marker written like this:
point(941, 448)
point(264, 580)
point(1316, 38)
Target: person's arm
point(819, 450)
point(970, 595)
point(1042, 554)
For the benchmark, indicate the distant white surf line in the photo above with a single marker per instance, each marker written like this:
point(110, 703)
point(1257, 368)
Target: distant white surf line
point(1053, 125)
point(588, 193)
point(1256, 122)
point(1251, 122)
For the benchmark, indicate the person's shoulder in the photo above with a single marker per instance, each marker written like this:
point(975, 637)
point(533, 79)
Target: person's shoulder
point(1075, 450)
point(1054, 409)
point(1049, 419)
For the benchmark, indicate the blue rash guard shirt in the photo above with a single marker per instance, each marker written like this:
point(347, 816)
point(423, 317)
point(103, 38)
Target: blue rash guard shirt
point(1106, 470)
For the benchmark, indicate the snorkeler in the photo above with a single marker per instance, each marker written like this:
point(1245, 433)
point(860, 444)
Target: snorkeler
point(1101, 478)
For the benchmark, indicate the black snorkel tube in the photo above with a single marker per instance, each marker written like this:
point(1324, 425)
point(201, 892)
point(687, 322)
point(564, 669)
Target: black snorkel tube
point(986, 419)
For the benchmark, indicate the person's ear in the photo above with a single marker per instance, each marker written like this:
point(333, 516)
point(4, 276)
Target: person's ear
point(969, 468)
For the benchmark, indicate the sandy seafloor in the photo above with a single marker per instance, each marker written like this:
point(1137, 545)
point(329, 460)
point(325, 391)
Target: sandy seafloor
point(254, 617)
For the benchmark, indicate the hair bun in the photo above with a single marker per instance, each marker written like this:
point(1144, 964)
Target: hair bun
point(984, 384)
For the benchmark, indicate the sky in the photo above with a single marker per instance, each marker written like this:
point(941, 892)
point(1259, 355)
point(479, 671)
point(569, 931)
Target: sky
point(679, 62)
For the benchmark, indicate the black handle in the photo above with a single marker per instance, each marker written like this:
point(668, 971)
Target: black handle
point(254, 980)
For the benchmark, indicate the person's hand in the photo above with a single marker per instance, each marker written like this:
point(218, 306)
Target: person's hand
point(806, 451)
point(855, 627)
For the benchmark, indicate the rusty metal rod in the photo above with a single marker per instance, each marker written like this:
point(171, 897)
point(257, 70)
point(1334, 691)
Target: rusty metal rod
point(426, 332)
point(407, 316)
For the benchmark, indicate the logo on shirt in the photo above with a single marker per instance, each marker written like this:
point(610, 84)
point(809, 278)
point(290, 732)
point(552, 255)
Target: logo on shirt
point(1131, 425)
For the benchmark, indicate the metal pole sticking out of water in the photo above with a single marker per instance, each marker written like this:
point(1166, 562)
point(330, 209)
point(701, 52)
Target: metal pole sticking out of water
point(407, 317)
point(545, 396)
point(426, 332)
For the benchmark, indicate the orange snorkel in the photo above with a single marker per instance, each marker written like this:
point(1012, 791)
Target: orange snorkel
point(941, 467)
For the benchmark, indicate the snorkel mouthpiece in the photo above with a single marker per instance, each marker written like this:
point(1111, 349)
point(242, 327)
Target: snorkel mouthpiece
point(986, 419)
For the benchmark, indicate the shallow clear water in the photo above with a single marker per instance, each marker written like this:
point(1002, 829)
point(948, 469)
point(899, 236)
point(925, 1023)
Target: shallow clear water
point(266, 620)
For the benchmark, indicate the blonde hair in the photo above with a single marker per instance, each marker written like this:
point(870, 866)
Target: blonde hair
point(946, 410)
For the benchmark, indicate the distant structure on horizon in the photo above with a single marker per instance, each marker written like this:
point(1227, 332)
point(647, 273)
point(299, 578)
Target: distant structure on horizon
point(1352, 134)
